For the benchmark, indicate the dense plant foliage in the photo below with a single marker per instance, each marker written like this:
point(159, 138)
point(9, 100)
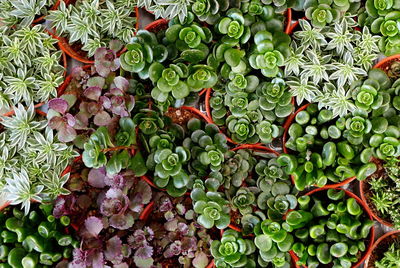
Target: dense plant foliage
point(176, 133)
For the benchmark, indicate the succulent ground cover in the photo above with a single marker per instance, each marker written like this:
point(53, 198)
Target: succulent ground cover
point(194, 142)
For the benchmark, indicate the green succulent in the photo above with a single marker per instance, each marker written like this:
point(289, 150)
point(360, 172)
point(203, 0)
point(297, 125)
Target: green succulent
point(219, 111)
point(209, 10)
point(243, 200)
point(143, 50)
point(148, 121)
point(207, 147)
point(377, 8)
point(277, 195)
point(275, 99)
point(169, 80)
point(268, 131)
point(270, 52)
point(200, 77)
point(233, 27)
point(242, 129)
point(357, 127)
point(273, 243)
point(211, 207)
point(190, 39)
point(93, 155)
point(167, 161)
point(329, 229)
point(386, 145)
point(237, 166)
point(322, 13)
point(233, 250)
point(240, 83)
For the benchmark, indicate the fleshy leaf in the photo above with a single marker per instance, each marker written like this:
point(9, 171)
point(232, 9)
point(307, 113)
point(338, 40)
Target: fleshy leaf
point(94, 225)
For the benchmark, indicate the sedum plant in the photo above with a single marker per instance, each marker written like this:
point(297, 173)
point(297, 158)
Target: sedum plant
point(324, 151)
point(211, 207)
point(142, 51)
point(23, 13)
point(273, 243)
point(329, 229)
point(32, 159)
point(34, 239)
point(209, 10)
point(382, 17)
point(93, 24)
point(323, 64)
point(95, 97)
point(384, 190)
point(233, 250)
point(179, 9)
point(30, 67)
point(172, 237)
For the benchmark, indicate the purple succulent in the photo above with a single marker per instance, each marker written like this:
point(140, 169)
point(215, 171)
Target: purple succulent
point(64, 123)
point(115, 202)
point(106, 61)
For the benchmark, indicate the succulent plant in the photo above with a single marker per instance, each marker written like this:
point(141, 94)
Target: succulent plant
point(94, 24)
point(35, 239)
point(142, 51)
point(390, 257)
point(329, 228)
point(273, 243)
point(233, 250)
point(243, 200)
point(237, 167)
point(211, 207)
point(270, 52)
point(233, 27)
point(209, 10)
point(207, 147)
point(190, 39)
point(177, 9)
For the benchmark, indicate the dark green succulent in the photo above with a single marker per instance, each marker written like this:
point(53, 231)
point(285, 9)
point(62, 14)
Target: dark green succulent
point(357, 127)
point(190, 39)
point(233, 250)
point(270, 52)
point(219, 111)
point(275, 99)
point(211, 207)
point(143, 50)
point(386, 145)
point(167, 162)
point(243, 200)
point(273, 243)
point(242, 129)
point(277, 195)
point(207, 147)
point(268, 131)
point(200, 77)
point(209, 10)
point(329, 229)
point(148, 121)
point(237, 166)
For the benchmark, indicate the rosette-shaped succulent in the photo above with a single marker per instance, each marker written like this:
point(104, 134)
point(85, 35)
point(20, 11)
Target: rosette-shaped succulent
point(237, 103)
point(357, 127)
point(93, 154)
point(270, 52)
point(190, 39)
point(212, 208)
point(267, 131)
point(148, 121)
point(167, 160)
point(368, 95)
point(169, 80)
point(209, 10)
point(233, 27)
point(201, 76)
point(377, 8)
point(142, 52)
point(273, 243)
point(233, 250)
point(242, 129)
point(322, 12)
point(277, 195)
point(207, 146)
point(236, 167)
point(387, 144)
point(275, 99)
point(243, 200)
point(241, 83)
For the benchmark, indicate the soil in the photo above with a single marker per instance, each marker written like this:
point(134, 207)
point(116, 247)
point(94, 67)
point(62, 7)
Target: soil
point(382, 247)
point(368, 193)
point(180, 116)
